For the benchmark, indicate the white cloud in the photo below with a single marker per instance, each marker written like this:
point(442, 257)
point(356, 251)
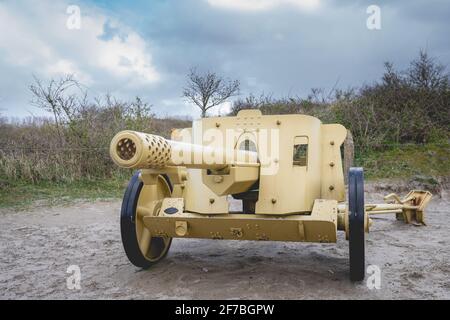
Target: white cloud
point(127, 58)
point(64, 67)
point(262, 5)
point(34, 37)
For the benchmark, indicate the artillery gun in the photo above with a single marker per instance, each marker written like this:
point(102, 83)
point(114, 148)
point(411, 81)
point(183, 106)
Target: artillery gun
point(285, 169)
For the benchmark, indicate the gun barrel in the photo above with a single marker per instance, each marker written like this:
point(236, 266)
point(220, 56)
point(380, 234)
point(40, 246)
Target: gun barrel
point(137, 150)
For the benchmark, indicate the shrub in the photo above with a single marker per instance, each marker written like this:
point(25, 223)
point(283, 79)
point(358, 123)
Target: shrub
point(74, 143)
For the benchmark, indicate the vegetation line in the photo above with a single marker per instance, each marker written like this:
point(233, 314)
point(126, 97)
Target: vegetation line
point(400, 126)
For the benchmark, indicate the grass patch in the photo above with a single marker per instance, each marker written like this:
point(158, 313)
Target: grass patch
point(406, 161)
point(22, 195)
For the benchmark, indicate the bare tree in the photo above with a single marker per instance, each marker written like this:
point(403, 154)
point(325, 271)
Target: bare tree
point(60, 97)
point(426, 73)
point(209, 90)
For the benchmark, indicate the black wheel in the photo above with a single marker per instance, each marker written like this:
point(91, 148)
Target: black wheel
point(141, 248)
point(356, 217)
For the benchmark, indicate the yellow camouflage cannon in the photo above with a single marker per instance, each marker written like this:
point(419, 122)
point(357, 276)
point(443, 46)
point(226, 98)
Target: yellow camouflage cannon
point(286, 170)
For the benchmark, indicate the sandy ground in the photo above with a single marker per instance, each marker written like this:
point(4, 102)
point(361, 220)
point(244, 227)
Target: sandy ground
point(37, 246)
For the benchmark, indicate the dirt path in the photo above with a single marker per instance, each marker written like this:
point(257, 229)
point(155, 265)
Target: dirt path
point(37, 246)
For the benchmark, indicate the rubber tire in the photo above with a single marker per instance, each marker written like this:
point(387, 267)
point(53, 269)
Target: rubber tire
point(356, 219)
point(127, 223)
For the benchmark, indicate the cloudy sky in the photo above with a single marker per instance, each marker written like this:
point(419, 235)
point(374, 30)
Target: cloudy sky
point(145, 48)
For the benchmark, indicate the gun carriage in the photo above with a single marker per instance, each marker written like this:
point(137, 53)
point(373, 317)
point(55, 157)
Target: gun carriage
point(285, 169)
